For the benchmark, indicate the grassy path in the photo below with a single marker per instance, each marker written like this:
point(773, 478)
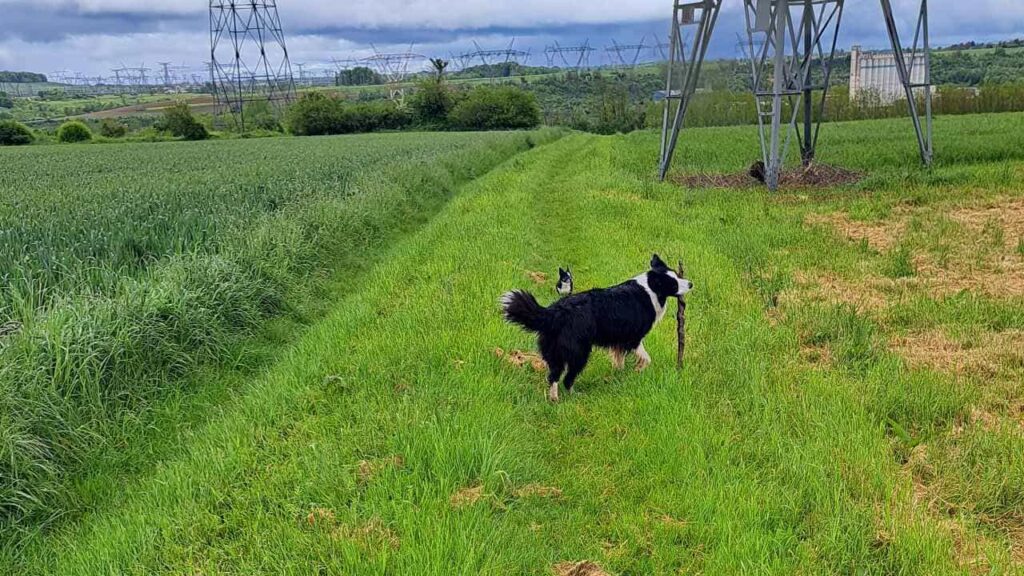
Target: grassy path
point(345, 458)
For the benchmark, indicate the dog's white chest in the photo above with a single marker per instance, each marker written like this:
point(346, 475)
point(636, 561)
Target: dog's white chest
point(659, 309)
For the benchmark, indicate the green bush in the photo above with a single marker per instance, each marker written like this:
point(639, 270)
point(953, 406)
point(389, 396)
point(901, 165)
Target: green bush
point(72, 132)
point(496, 108)
point(14, 133)
point(179, 121)
point(110, 128)
point(6, 101)
point(432, 102)
point(316, 114)
point(260, 115)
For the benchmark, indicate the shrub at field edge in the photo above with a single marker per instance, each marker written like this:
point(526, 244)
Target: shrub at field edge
point(73, 132)
point(496, 108)
point(13, 133)
point(179, 121)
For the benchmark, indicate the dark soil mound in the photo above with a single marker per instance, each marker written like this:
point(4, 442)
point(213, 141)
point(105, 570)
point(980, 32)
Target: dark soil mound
point(813, 176)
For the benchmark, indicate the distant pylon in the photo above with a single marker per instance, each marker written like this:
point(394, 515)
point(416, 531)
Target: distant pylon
point(249, 57)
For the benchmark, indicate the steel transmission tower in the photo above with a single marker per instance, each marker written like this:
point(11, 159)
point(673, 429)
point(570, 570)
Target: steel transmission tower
point(570, 57)
point(791, 45)
point(626, 56)
point(248, 56)
point(394, 68)
point(498, 62)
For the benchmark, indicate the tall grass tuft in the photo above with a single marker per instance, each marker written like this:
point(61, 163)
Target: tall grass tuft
point(120, 281)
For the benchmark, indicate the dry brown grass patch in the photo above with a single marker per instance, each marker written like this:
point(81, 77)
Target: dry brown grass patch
point(371, 534)
point(880, 236)
point(320, 516)
point(673, 522)
point(583, 568)
point(981, 255)
point(519, 358)
point(816, 355)
point(828, 288)
point(537, 277)
point(367, 469)
point(1008, 215)
point(538, 491)
point(467, 496)
point(998, 275)
point(935, 350)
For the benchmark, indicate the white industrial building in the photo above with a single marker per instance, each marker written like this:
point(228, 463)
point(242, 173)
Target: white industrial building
point(875, 73)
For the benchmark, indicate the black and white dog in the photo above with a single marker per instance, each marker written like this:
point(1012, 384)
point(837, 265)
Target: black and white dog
point(564, 286)
point(616, 318)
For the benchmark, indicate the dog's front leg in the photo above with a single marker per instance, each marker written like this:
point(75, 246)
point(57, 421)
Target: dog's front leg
point(643, 359)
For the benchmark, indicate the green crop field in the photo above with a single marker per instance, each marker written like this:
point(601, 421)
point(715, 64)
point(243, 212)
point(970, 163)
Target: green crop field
point(126, 267)
point(851, 401)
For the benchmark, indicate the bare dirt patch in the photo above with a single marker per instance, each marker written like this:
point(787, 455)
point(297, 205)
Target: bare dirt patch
point(583, 568)
point(935, 350)
point(813, 176)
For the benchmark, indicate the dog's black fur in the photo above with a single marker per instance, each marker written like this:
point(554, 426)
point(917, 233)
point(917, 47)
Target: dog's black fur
point(616, 318)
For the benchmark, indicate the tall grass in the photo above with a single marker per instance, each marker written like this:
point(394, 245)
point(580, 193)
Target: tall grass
point(124, 269)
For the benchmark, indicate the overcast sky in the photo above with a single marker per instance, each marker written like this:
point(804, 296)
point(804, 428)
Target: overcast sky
point(93, 36)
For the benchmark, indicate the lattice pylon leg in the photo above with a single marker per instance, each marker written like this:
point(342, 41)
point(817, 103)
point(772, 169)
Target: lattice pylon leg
point(914, 69)
point(792, 45)
point(682, 71)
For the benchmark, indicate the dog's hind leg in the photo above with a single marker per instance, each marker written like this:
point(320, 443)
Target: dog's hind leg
point(618, 358)
point(643, 359)
point(554, 375)
point(576, 365)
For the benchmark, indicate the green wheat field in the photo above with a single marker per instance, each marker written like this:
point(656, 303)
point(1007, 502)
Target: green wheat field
point(285, 356)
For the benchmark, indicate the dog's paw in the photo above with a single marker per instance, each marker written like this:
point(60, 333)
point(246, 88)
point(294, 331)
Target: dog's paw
point(642, 362)
point(553, 392)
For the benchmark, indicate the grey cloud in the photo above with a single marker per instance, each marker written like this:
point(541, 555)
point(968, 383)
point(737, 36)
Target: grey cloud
point(88, 33)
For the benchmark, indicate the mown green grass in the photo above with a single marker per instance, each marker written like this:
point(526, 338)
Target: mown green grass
point(345, 456)
point(124, 269)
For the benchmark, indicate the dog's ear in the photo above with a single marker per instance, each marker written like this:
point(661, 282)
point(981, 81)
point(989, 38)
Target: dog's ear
point(562, 272)
point(658, 264)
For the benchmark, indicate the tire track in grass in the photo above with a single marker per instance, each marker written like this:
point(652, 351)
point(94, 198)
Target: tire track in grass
point(345, 458)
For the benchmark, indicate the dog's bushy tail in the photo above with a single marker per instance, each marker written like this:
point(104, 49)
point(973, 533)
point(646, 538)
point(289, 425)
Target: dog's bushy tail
point(521, 308)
